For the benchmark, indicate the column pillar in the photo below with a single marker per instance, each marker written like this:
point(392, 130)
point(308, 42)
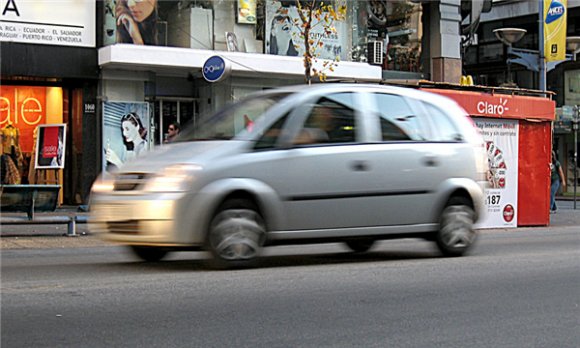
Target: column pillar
point(445, 40)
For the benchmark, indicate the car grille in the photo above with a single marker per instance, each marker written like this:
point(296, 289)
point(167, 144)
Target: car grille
point(129, 181)
point(124, 227)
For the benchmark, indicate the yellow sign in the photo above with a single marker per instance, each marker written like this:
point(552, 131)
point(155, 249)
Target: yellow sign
point(247, 11)
point(555, 29)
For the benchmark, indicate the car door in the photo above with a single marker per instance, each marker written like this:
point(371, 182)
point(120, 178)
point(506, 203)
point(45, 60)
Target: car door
point(406, 169)
point(320, 170)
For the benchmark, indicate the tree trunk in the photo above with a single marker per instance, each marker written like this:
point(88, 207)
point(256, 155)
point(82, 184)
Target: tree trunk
point(307, 53)
point(307, 56)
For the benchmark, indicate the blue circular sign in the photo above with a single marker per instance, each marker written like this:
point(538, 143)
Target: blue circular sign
point(215, 69)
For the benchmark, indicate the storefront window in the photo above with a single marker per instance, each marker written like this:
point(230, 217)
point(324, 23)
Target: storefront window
point(268, 26)
point(396, 24)
point(22, 110)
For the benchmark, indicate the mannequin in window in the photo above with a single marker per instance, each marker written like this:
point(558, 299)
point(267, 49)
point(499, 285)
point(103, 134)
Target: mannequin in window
point(11, 155)
point(11, 144)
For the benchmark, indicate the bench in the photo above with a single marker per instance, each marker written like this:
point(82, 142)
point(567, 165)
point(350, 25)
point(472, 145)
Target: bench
point(30, 199)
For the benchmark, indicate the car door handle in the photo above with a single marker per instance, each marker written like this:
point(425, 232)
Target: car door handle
point(430, 161)
point(360, 166)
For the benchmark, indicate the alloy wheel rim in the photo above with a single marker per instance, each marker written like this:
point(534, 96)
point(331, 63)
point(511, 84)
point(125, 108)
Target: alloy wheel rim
point(237, 236)
point(457, 228)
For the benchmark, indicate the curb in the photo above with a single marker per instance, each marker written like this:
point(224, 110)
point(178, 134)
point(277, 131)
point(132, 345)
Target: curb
point(39, 236)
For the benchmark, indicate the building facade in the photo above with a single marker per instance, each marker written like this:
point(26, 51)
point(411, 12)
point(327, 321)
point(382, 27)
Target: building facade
point(49, 76)
point(487, 61)
point(122, 64)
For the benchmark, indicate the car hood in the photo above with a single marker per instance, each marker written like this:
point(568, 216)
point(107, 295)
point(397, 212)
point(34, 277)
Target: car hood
point(195, 152)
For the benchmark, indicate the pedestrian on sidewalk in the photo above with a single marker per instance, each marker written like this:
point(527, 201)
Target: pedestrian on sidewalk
point(172, 131)
point(557, 179)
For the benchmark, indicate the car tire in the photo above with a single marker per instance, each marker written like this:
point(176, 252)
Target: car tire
point(236, 235)
point(149, 254)
point(360, 245)
point(456, 233)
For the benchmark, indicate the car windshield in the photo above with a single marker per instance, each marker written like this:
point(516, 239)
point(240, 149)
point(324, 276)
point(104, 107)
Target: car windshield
point(232, 120)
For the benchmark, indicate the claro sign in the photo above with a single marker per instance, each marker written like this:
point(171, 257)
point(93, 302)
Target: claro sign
point(62, 22)
point(501, 105)
point(491, 109)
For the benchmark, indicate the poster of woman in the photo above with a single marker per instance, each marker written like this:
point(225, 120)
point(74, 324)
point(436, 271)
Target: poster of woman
point(125, 132)
point(231, 41)
point(283, 37)
point(131, 21)
point(50, 146)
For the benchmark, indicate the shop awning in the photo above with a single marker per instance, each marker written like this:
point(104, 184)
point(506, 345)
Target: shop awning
point(176, 61)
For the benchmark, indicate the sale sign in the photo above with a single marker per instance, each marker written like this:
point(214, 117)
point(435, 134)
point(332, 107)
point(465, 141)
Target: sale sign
point(23, 107)
point(50, 146)
point(50, 143)
point(501, 194)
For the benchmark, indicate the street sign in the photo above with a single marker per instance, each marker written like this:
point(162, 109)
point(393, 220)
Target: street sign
point(216, 69)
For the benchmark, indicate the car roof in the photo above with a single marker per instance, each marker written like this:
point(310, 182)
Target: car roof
point(429, 97)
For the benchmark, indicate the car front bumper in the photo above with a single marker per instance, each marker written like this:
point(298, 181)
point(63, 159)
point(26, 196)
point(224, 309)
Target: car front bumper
point(139, 220)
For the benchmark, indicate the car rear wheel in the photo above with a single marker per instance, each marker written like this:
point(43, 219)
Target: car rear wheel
point(236, 236)
point(456, 234)
point(149, 254)
point(360, 245)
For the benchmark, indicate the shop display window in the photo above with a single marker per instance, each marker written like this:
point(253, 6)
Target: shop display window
point(396, 24)
point(22, 110)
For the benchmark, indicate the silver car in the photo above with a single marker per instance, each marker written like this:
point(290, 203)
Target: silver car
point(332, 162)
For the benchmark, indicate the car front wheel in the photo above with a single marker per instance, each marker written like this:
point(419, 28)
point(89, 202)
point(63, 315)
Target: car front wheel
point(456, 234)
point(236, 236)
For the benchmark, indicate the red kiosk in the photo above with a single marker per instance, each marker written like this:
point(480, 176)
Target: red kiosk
point(532, 113)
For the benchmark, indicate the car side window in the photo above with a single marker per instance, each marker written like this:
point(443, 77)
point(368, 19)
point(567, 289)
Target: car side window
point(398, 120)
point(270, 137)
point(445, 129)
point(331, 120)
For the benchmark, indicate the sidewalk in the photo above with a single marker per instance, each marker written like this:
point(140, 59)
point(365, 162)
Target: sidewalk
point(54, 236)
point(47, 236)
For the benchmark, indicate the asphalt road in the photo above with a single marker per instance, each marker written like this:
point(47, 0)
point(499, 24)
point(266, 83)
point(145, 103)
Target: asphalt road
point(519, 288)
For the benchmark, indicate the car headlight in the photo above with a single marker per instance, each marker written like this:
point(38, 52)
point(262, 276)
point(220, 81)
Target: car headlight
point(103, 184)
point(175, 178)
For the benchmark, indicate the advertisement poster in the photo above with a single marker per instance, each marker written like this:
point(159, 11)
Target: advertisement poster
point(125, 132)
point(555, 30)
point(133, 22)
point(63, 22)
point(283, 36)
point(50, 146)
point(501, 194)
point(247, 11)
point(231, 41)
